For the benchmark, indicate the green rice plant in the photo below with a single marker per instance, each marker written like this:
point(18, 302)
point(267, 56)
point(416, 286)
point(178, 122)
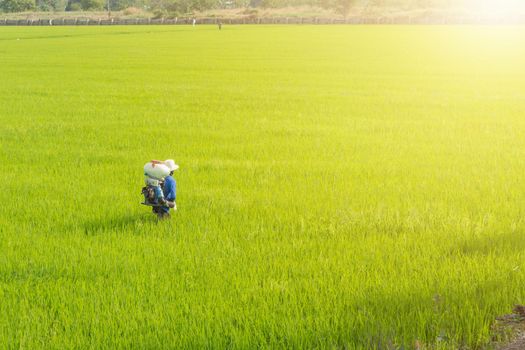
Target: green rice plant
point(340, 186)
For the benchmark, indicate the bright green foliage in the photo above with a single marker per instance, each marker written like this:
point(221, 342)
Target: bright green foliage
point(174, 8)
point(50, 5)
point(16, 5)
point(356, 186)
point(92, 4)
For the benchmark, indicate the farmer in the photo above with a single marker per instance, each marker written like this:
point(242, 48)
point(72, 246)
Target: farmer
point(169, 190)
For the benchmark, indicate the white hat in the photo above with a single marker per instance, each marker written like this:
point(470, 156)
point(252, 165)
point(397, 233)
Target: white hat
point(170, 163)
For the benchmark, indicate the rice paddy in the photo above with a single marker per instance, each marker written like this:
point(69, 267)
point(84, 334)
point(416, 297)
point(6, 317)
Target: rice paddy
point(352, 187)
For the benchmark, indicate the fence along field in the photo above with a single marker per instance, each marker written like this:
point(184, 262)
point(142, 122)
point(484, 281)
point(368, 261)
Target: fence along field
point(340, 186)
point(517, 19)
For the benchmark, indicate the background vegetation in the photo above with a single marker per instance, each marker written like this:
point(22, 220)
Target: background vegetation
point(188, 7)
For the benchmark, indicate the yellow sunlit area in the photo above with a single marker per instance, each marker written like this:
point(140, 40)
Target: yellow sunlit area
point(262, 174)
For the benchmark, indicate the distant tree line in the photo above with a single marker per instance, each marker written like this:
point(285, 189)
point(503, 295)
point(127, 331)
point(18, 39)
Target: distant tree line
point(183, 7)
point(168, 6)
point(68, 5)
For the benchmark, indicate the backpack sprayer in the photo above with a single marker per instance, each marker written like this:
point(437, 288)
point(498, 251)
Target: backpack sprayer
point(154, 174)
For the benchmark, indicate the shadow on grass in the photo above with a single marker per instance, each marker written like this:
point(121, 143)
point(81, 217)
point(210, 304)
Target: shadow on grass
point(508, 242)
point(127, 223)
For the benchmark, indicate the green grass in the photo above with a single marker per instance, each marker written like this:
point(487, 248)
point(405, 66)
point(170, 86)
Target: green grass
point(340, 186)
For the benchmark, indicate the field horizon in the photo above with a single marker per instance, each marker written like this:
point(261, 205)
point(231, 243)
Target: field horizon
point(339, 186)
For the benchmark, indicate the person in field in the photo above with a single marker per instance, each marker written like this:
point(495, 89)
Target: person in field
point(160, 191)
point(169, 191)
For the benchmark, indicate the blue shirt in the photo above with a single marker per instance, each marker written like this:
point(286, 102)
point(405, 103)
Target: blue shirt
point(170, 188)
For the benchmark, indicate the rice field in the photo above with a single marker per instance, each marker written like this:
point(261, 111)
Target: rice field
point(356, 187)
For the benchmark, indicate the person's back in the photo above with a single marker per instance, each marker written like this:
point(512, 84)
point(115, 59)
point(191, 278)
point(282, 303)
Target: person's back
point(170, 188)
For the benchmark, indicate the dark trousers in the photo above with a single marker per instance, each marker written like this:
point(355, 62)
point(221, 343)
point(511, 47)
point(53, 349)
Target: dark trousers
point(161, 212)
